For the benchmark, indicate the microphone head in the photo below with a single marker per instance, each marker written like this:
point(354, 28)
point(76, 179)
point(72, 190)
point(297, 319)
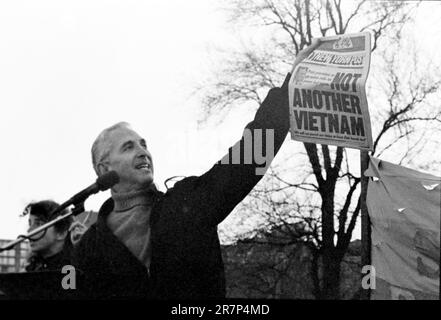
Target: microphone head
point(107, 180)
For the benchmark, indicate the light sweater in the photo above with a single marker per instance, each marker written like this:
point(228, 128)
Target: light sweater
point(130, 222)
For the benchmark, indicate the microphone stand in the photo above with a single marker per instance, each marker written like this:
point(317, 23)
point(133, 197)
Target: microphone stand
point(78, 208)
point(103, 182)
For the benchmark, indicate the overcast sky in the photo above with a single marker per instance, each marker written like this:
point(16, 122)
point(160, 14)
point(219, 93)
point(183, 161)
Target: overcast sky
point(72, 68)
point(68, 69)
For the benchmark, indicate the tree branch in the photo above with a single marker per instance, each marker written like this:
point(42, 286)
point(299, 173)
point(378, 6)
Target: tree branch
point(326, 157)
point(344, 211)
point(311, 150)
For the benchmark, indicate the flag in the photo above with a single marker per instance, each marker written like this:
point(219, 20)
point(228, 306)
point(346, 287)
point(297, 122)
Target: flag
point(404, 209)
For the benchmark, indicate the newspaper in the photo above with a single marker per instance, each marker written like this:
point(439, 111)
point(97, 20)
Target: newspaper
point(327, 97)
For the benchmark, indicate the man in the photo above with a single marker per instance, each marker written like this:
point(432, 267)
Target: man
point(155, 245)
point(50, 249)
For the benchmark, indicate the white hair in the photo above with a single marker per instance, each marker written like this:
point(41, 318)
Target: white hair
point(100, 147)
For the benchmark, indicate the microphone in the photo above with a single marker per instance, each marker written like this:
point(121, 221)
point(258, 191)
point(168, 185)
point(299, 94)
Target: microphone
point(102, 183)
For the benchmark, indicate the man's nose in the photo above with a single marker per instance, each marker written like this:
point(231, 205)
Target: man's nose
point(142, 152)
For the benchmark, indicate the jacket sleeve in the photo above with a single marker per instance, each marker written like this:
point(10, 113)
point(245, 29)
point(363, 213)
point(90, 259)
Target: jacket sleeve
point(230, 180)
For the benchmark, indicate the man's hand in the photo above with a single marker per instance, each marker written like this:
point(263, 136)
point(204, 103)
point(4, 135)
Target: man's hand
point(76, 230)
point(305, 52)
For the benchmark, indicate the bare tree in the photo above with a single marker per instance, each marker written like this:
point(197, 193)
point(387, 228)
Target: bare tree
point(404, 104)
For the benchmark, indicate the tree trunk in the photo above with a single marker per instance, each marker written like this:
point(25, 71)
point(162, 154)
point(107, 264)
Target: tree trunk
point(331, 260)
point(315, 269)
point(331, 276)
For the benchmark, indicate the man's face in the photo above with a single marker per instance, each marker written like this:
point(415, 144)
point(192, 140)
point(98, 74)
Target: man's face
point(130, 158)
point(43, 246)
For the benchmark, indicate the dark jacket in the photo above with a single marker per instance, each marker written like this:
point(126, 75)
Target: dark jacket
point(186, 256)
point(52, 263)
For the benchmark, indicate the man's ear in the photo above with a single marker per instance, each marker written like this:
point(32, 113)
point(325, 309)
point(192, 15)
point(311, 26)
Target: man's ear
point(102, 168)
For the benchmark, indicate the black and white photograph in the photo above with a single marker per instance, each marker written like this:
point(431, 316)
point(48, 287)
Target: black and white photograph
point(218, 157)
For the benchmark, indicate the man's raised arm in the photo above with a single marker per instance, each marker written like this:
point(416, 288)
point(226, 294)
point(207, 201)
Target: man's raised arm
point(231, 179)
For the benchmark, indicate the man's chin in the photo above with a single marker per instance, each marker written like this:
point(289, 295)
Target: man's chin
point(146, 180)
point(35, 250)
point(147, 183)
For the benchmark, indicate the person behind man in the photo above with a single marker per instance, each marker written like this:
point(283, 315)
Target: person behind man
point(149, 244)
point(50, 249)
